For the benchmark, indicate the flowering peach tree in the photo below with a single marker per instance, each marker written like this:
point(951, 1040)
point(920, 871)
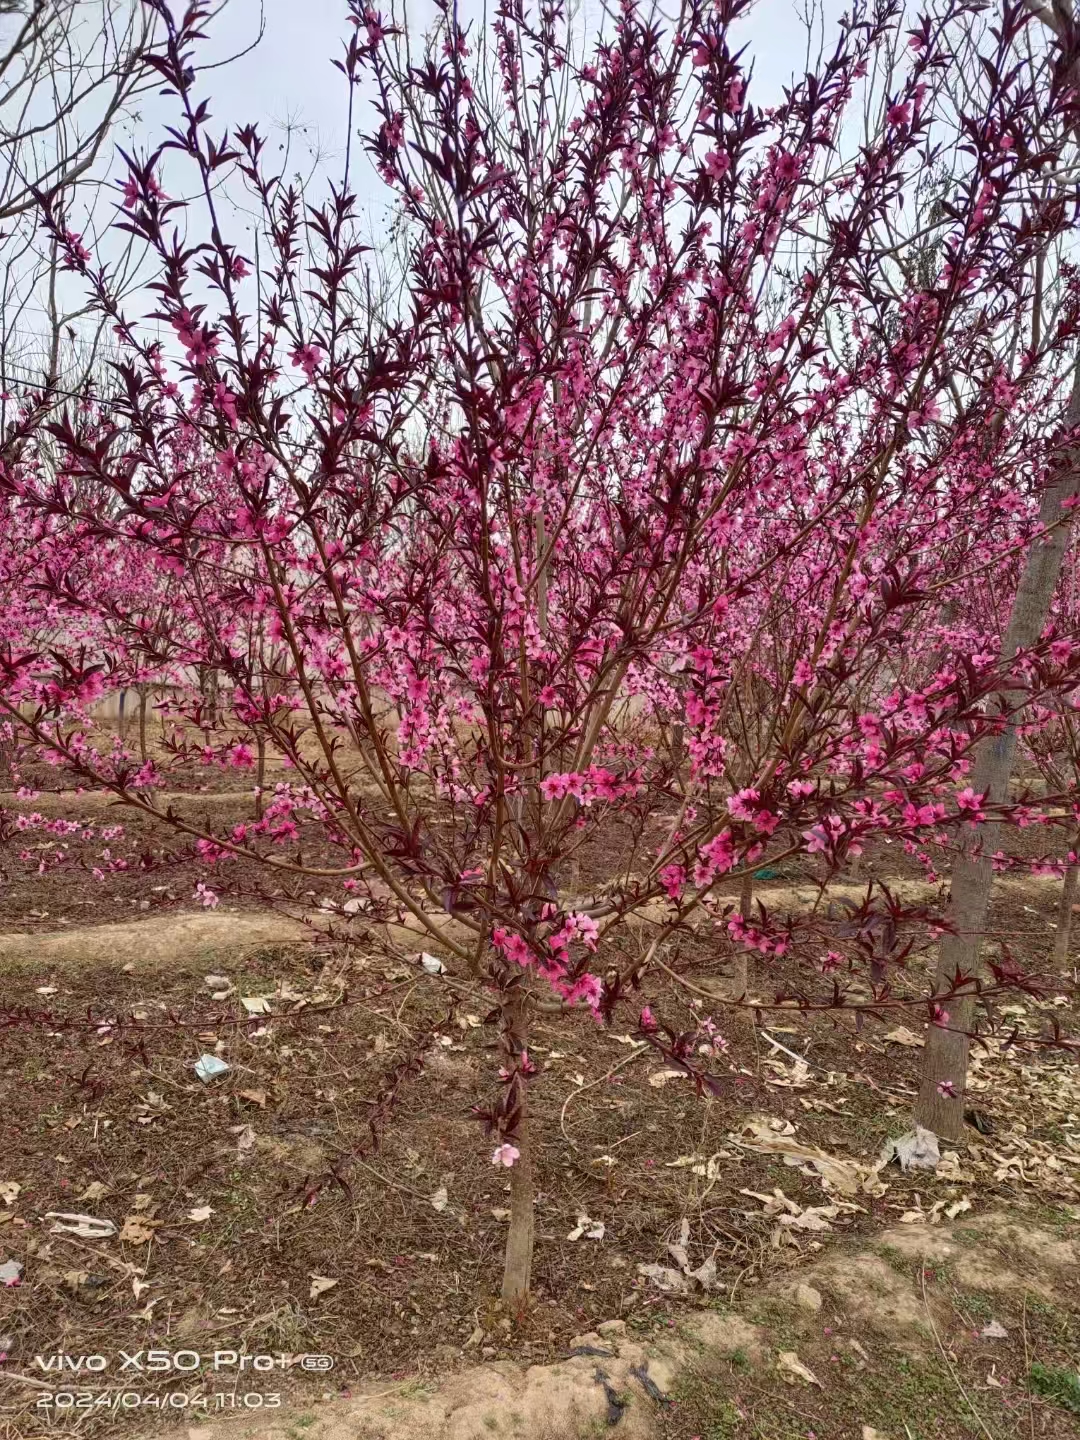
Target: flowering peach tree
point(616, 557)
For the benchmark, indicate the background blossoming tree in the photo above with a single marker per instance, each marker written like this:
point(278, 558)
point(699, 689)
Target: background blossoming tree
point(653, 442)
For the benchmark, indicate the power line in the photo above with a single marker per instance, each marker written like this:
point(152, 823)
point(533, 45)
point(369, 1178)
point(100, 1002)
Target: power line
point(57, 390)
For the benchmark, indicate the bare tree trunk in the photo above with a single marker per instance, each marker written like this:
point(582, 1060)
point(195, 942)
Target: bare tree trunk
point(143, 697)
point(1060, 955)
point(260, 775)
point(208, 698)
point(740, 974)
point(940, 1106)
point(678, 747)
point(517, 1268)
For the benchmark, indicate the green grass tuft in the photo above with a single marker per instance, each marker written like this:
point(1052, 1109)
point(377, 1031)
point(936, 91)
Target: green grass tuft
point(1057, 1384)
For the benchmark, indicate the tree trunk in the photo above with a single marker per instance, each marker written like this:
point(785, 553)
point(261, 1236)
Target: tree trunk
point(120, 716)
point(517, 1268)
point(678, 747)
point(740, 970)
point(260, 776)
point(1060, 955)
point(143, 696)
point(945, 1056)
point(208, 694)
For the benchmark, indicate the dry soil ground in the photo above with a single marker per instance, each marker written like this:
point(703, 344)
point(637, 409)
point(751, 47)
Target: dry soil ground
point(281, 1209)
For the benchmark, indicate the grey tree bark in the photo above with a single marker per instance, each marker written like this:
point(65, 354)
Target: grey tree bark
point(517, 1264)
point(940, 1106)
point(1063, 933)
point(740, 968)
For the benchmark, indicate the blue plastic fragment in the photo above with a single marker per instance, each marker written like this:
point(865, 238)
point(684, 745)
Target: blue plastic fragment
point(209, 1067)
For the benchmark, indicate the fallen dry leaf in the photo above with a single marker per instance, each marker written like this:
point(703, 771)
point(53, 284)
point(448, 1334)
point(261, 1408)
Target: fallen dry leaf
point(791, 1077)
point(669, 1280)
point(200, 1213)
point(846, 1176)
point(257, 1097)
point(94, 1191)
point(903, 1036)
point(9, 1192)
point(138, 1230)
point(791, 1367)
point(440, 1199)
point(320, 1284)
point(245, 1137)
point(817, 1217)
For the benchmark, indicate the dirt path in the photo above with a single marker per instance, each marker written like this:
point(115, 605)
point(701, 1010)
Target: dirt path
point(804, 897)
point(85, 800)
point(886, 1336)
point(159, 940)
point(182, 936)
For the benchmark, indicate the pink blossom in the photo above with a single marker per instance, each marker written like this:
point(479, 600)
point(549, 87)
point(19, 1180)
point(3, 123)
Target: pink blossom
point(717, 164)
point(923, 415)
point(77, 248)
point(505, 1155)
point(308, 358)
point(970, 802)
point(205, 896)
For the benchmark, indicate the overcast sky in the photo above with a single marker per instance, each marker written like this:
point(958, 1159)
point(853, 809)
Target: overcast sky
point(289, 75)
point(288, 87)
point(288, 80)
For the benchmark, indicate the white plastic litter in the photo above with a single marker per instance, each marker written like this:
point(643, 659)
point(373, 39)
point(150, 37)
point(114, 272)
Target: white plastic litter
point(209, 1067)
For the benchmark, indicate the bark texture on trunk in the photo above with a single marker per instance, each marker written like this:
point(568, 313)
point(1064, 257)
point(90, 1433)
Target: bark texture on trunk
point(260, 776)
point(143, 697)
point(740, 967)
point(940, 1106)
point(517, 1265)
point(1063, 933)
